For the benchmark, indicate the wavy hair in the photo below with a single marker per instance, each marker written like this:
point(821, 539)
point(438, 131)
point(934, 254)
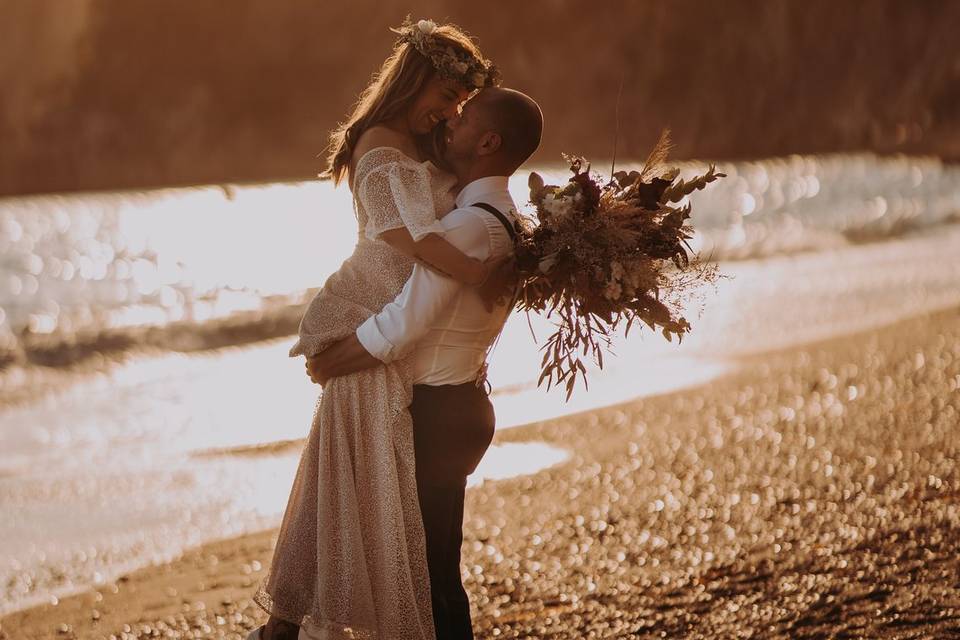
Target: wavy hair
point(393, 88)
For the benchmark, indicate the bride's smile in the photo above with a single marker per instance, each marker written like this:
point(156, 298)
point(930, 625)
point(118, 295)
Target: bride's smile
point(439, 101)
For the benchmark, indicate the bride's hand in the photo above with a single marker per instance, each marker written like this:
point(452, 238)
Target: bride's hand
point(316, 371)
point(500, 277)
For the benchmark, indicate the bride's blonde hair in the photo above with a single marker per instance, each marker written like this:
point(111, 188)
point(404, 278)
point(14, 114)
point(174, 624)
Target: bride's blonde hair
point(398, 82)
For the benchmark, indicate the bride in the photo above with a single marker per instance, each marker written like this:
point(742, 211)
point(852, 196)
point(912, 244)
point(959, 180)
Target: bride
point(350, 559)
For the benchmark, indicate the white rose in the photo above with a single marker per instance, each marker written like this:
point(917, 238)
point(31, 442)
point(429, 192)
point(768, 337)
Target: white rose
point(616, 270)
point(558, 208)
point(427, 26)
point(478, 79)
point(461, 66)
point(612, 290)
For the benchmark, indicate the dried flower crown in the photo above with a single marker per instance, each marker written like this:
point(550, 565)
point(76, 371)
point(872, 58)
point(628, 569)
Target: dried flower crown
point(450, 62)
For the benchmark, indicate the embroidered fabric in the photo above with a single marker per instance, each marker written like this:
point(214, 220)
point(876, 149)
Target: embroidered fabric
point(389, 185)
point(350, 560)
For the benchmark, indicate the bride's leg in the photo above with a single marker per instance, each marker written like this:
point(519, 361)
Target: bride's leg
point(288, 584)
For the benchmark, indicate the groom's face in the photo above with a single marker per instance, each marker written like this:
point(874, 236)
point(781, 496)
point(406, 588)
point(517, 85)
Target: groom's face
point(465, 132)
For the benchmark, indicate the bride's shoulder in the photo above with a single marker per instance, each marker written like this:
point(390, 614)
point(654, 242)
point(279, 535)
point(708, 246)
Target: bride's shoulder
point(380, 134)
point(386, 141)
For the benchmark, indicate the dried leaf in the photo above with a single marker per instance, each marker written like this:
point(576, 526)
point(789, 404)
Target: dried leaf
point(657, 156)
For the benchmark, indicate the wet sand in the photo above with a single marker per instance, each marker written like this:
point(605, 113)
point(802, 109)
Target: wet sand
point(814, 494)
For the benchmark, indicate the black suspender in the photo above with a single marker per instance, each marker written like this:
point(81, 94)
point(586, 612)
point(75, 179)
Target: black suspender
point(482, 376)
point(502, 218)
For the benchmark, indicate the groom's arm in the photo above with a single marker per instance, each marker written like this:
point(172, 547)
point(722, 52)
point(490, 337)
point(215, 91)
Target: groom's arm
point(342, 357)
point(393, 332)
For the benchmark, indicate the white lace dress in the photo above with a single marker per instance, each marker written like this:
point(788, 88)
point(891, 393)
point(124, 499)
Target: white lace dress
point(350, 560)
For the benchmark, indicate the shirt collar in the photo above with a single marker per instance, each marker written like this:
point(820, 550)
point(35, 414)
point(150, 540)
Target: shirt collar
point(477, 190)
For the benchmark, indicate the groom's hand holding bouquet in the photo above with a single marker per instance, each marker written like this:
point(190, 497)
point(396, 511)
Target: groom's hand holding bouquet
point(599, 255)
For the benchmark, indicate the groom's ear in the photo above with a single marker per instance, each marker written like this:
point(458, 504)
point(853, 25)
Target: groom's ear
point(490, 143)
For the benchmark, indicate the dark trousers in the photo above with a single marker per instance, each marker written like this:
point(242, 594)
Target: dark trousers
point(452, 426)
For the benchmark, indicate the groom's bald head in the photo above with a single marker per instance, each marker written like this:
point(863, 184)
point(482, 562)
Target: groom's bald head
point(516, 117)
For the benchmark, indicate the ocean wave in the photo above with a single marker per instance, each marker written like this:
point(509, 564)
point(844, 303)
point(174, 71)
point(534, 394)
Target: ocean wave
point(68, 349)
point(65, 349)
point(786, 236)
point(94, 277)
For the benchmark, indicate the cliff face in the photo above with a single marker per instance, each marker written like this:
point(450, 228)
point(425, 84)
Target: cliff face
point(103, 94)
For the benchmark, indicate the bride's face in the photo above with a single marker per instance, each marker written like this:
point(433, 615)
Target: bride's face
point(438, 101)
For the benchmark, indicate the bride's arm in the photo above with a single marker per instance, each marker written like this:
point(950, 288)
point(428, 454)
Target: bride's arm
point(431, 250)
point(438, 254)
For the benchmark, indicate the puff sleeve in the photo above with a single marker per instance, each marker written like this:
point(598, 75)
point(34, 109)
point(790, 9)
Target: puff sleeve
point(395, 192)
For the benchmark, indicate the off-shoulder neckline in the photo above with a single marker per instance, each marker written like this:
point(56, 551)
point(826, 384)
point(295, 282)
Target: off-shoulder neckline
point(405, 156)
point(356, 171)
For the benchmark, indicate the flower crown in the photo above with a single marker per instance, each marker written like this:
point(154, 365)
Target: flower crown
point(450, 62)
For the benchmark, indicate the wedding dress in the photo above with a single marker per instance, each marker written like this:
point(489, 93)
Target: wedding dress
point(350, 559)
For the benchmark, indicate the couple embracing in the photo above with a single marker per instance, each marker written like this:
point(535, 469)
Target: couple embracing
point(369, 546)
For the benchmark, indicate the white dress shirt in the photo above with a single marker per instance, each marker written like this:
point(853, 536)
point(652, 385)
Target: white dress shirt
point(443, 321)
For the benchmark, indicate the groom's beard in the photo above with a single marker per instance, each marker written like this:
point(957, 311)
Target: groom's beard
point(461, 166)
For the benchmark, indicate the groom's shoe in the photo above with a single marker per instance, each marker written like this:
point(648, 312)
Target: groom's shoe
point(256, 633)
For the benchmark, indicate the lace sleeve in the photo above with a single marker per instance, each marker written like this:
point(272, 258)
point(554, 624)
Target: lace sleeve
point(395, 192)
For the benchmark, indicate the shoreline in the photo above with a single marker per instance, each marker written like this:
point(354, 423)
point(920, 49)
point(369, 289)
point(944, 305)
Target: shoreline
point(839, 453)
point(35, 363)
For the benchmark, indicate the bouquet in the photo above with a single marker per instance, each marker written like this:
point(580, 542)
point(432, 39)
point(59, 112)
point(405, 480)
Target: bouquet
point(601, 255)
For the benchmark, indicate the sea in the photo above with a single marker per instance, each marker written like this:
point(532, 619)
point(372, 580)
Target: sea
point(148, 405)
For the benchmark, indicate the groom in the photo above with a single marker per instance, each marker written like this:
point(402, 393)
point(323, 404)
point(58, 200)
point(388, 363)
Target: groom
point(448, 328)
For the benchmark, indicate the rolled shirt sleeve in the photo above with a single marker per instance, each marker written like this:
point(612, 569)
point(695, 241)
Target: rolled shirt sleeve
point(393, 332)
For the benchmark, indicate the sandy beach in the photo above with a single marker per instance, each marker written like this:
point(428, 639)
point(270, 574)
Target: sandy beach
point(812, 494)
point(788, 468)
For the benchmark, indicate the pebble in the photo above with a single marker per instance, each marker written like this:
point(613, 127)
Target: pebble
point(814, 494)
